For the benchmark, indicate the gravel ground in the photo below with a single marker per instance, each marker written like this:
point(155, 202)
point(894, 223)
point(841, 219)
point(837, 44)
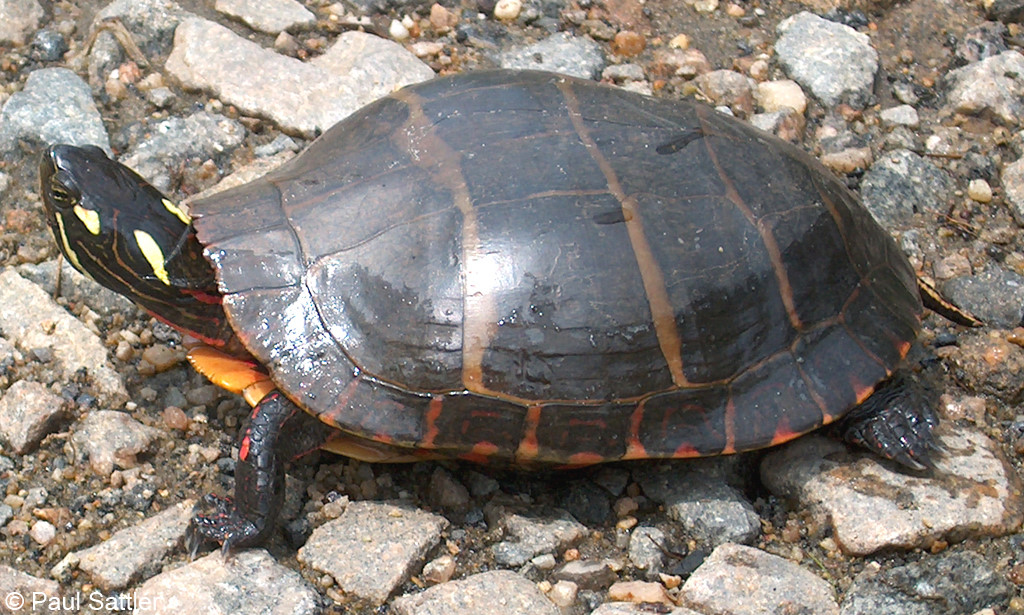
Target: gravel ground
point(107, 437)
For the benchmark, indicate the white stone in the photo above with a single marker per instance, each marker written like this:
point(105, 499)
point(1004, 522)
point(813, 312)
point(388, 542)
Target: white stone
point(783, 94)
point(871, 506)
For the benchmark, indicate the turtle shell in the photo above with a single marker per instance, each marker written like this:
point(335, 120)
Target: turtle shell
point(531, 267)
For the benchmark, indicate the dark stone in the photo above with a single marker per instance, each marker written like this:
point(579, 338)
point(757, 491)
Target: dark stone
point(948, 584)
point(587, 502)
point(49, 45)
point(994, 295)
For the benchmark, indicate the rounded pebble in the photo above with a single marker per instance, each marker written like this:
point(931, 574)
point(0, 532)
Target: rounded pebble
point(43, 532)
point(979, 190)
point(507, 10)
point(628, 43)
point(398, 31)
point(161, 357)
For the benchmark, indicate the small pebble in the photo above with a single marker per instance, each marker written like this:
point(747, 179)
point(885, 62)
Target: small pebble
point(441, 19)
point(161, 357)
point(680, 41)
point(628, 43)
point(639, 591)
point(507, 10)
point(439, 570)
point(979, 190)
point(175, 418)
point(563, 593)
point(398, 31)
point(43, 532)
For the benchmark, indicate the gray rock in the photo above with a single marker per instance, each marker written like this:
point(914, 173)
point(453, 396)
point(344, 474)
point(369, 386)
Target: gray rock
point(611, 479)
point(872, 507)
point(528, 536)
point(447, 493)
point(15, 582)
point(560, 53)
point(373, 547)
point(1012, 177)
point(75, 287)
point(697, 495)
point(728, 88)
point(901, 183)
point(111, 439)
point(993, 87)
point(644, 608)
point(902, 115)
point(499, 592)
point(994, 295)
point(982, 41)
point(739, 580)
point(623, 72)
point(586, 574)
point(175, 140)
point(28, 412)
point(645, 550)
point(948, 584)
point(271, 16)
point(31, 319)
point(151, 23)
point(133, 552)
point(6, 513)
point(55, 106)
point(248, 582)
point(49, 45)
point(19, 19)
point(301, 97)
point(835, 62)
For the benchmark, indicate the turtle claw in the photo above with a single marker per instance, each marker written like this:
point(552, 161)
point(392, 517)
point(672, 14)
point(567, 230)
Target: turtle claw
point(224, 524)
point(896, 423)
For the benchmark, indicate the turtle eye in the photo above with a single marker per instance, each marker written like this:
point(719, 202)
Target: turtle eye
point(64, 193)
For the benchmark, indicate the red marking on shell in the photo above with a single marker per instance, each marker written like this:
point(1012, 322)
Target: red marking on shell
point(433, 413)
point(528, 447)
point(634, 448)
point(686, 451)
point(584, 459)
point(481, 452)
point(243, 450)
point(342, 402)
point(783, 434)
point(730, 427)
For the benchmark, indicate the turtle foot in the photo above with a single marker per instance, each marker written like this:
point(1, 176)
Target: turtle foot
point(897, 423)
point(222, 522)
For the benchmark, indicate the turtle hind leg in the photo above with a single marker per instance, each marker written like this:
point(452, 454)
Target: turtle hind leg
point(896, 422)
point(278, 432)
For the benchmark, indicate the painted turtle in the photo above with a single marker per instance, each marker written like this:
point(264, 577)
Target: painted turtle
point(516, 266)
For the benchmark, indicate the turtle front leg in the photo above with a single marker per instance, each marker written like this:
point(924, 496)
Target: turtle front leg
point(278, 432)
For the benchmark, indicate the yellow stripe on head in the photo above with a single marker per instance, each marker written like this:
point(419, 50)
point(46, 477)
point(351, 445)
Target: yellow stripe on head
point(177, 211)
point(68, 251)
point(90, 218)
point(154, 255)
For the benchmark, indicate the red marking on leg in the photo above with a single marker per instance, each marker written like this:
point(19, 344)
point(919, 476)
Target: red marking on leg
point(243, 450)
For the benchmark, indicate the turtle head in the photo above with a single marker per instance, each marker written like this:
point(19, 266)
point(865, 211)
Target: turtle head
point(119, 230)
